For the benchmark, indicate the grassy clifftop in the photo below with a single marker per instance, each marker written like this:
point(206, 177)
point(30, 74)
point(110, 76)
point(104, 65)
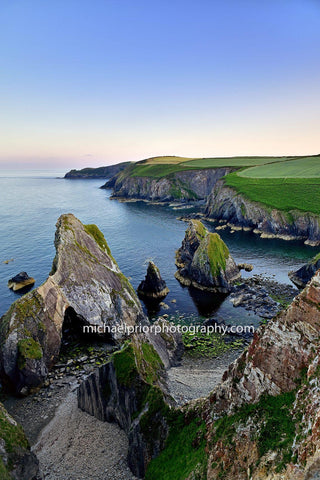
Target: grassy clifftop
point(290, 185)
point(158, 167)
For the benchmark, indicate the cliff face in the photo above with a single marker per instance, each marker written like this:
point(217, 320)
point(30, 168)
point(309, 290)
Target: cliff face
point(304, 274)
point(131, 391)
point(204, 261)
point(85, 288)
point(100, 172)
point(267, 408)
point(184, 186)
point(16, 460)
point(225, 203)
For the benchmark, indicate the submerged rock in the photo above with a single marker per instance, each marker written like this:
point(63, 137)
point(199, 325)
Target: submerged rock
point(153, 286)
point(304, 274)
point(204, 260)
point(85, 289)
point(20, 281)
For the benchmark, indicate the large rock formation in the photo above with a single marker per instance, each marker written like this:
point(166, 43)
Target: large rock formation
point(304, 274)
point(85, 288)
point(153, 286)
point(204, 260)
point(16, 460)
point(131, 390)
point(271, 395)
point(225, 203)
point(99, 172)
point(182, 186)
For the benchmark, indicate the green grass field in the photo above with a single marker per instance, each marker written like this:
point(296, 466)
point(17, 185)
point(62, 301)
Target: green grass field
point(306, 167)
point(158, 167)
point(285, 183)
point(281, 193)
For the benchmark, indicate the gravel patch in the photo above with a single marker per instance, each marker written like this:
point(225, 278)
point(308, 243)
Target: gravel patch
point(197, 377)
point(77, 446)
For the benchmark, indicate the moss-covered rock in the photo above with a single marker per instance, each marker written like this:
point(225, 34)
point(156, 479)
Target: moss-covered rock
point(85, 287)
point(204, 260)
point(16, 460)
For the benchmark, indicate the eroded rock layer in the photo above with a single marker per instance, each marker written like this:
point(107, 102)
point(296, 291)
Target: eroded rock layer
point(85, 285)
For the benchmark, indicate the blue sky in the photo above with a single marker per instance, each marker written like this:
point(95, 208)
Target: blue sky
point(96, 82)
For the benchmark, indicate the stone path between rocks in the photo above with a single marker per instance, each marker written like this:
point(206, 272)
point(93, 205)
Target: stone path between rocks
point(77, 446)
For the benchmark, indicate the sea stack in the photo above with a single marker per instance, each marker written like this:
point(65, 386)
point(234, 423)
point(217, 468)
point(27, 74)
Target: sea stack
point(84, 289)
point(153, 286)
point(204, 261)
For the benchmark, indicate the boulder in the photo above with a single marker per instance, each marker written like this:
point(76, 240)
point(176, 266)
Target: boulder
point(20, 281)
point(304, 274)
point(204, 261)
point(153, 286)
point(85, 289)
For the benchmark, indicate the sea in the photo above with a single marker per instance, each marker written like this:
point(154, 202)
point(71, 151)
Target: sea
point(32, 201)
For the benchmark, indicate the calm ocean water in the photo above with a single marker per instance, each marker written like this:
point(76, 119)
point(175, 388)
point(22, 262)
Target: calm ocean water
point(31, 203)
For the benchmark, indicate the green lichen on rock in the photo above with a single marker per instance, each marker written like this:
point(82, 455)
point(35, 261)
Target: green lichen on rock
point(14, 440)
point(200, 229)
point(149, 362)
point(275, 427)
point(28, 348)
point(98, 236)
point(125, 365)
point(212, 249)
point(217, 253)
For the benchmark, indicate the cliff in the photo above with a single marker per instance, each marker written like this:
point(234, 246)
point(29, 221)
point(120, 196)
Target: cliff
point(85, 288)
point(131, 390)
point(267, 407)
point(99, 172)
point(225, 203)
point(304, 274)
point(16, 460)
point(204, 261)
point(182, 186)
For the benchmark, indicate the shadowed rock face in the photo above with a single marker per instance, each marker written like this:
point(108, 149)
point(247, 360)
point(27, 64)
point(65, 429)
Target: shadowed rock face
point(304, 274)
point(204, 260)
point(131, 390)
point(153, 286)
point(225, 203)
point(16, 460)
point(85, 279)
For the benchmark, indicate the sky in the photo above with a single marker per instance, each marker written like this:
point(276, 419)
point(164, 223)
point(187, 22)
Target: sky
point(97, 82)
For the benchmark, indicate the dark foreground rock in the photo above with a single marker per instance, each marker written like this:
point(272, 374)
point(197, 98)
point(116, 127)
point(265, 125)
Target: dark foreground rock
point(131, 390)
point(17, 462)
point(20, 281)
point(85, 289)
point(153, 286)
point(204, 260)
point(304, 274)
